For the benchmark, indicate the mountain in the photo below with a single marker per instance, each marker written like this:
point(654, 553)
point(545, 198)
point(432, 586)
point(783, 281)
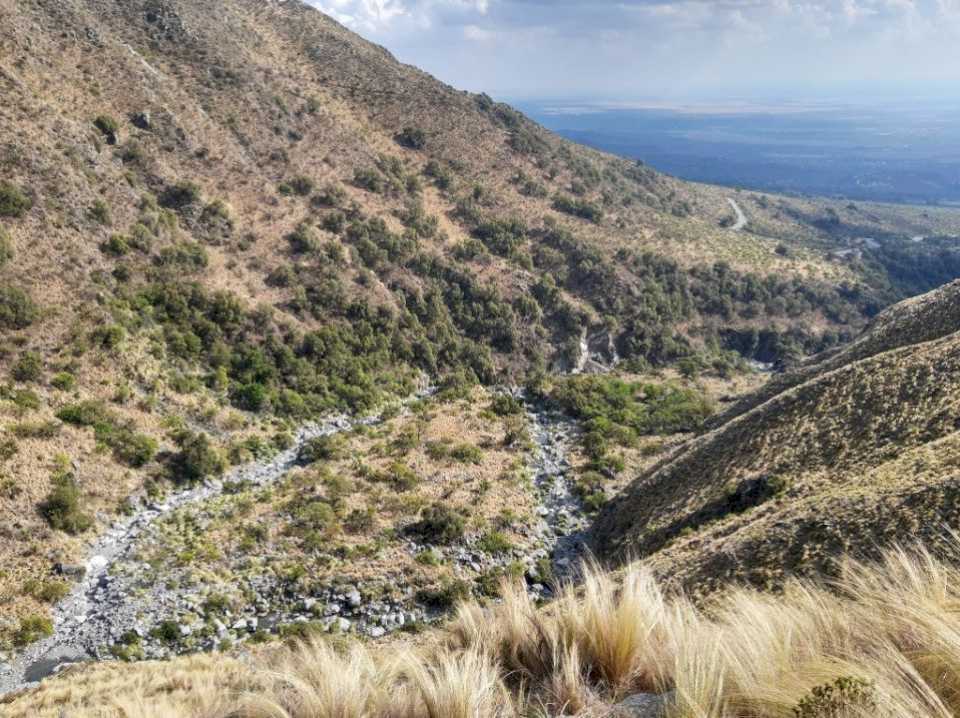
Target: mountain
point(217, 227)
point(854, 451)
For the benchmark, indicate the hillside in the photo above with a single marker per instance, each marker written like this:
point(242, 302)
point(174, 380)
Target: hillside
point(218, 227)
point(854, 451)
point(878, 642)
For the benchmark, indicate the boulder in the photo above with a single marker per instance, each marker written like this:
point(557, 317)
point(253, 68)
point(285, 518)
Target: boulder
point(642, 705)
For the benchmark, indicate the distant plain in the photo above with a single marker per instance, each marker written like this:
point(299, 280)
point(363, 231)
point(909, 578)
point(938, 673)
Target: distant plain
point(907, 151)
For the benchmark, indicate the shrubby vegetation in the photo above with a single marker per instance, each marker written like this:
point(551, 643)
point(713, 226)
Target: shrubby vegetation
point(62, 508)
point(129, 447)
point(17, 310)
point(579, 207)
point(14, 202)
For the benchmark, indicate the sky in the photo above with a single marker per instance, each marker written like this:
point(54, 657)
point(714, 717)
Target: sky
point(627, 50)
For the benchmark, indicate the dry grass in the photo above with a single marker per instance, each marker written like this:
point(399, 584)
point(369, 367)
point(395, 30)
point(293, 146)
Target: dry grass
point(894, 625)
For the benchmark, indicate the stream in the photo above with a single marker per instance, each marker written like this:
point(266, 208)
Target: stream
point(101, 604)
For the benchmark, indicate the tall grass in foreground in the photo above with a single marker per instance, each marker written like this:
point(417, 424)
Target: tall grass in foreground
point(881, 641)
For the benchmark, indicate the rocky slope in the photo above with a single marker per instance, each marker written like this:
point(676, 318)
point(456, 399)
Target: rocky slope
point(855, 451)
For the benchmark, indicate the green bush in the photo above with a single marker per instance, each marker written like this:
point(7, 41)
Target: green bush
point(117, 245)
point(17, 310)
point(181, 195)
point(446, 596)
point(370, 180)
point(846, 696)
point(107, 125)
point(28, 368)
point(321, 448)
point(167, 631)
point(14, 202)
point(108, 336)
point(402, 477)
point(304, 239)
point(62, 508)
point(331, 195)
point(495, 543)
point(31, 630)
point(64, 381)
point(100, 212)
point(578, 207)
point(506, 405)
point(466, 454)
point(412, 138)
point(6, 247)
point(300, 185)
point(46, 591)
point(84, 413)
point(198, 459)
point(183, 257)
point(130, 448)
point(440, 524)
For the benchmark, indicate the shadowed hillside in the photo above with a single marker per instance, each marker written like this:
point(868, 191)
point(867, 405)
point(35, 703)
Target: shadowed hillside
point(855, 450)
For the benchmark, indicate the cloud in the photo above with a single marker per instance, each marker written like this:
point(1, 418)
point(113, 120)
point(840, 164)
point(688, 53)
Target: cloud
point(651, 47)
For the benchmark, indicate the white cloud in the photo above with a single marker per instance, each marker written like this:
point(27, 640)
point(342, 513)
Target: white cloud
point(645, 47)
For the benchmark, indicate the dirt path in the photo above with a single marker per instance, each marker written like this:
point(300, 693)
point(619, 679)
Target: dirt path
point(742, 221)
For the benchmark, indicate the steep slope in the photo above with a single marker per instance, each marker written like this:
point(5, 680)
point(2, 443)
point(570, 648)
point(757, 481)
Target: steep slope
point(215, 226)
point(856, 451)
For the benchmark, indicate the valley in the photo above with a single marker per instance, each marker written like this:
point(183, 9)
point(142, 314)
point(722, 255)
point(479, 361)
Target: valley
point(328, 390)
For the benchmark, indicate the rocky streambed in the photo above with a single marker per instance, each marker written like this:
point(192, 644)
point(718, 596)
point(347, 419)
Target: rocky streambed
point(121, 607)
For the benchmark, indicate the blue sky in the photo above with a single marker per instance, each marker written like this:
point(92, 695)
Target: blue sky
point(672, 49)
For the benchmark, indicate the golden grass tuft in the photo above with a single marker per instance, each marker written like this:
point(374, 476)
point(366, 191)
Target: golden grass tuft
point(892, 626)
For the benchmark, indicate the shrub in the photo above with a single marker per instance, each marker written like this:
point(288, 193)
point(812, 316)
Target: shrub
point(131, 448)
point(402, 476)
point(446, 595)
point(197, 459)
point(506, 405)
point(6, 247)
point(85, 413)
point(495, 543)
point(46, 591)
point(300, 185)
point(466, 454)
point(100, 212)
point(28, 368)
point(180, 195)
point(331, 195)
point(335, 222)
point(846, 696)
point(17, 310)
point(442, 177)
point(440, 524)
point(304, 239)
point(109, 336)
point(108, 126)
point(370, 180)
point(117, 245)
point(578, 207)
point(64, 381)
point(8, 449)
point(253, 396)
point(321, 448)
point(412, 138)
point(183, 256)
point(167, 631)
point(31, 630)
point(13, 201)
point(36, 430)
point(62, 508)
